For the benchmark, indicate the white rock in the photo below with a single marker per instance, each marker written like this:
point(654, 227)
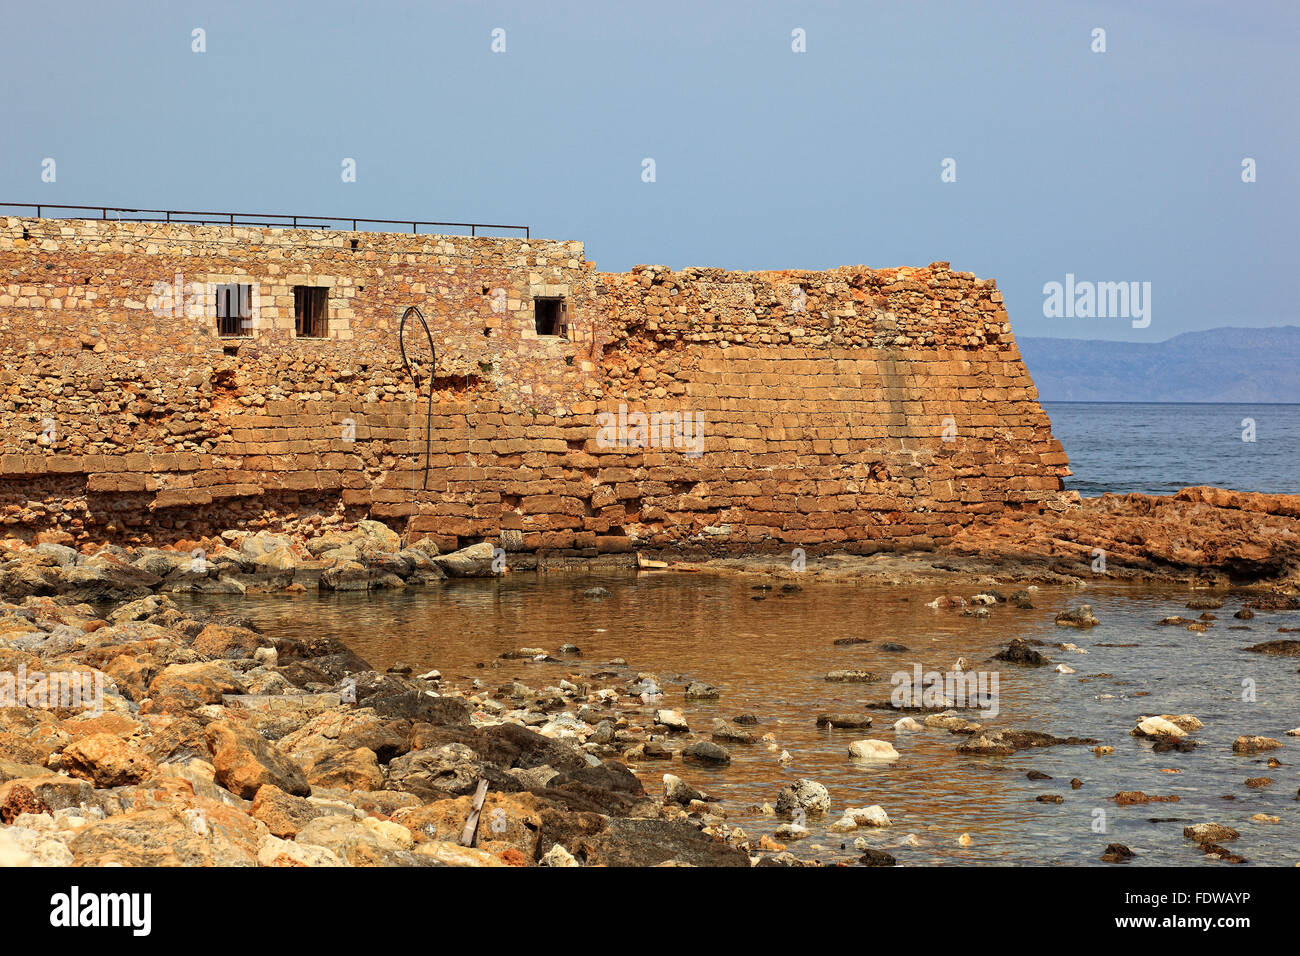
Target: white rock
point(273, 851)
point(1159, 727)
point(672, 720)
point(876, 750)
point(390, 831)
point(907, 723)
point(558, 856)
point(565, 726)
point(1065, 669)
point(791, 831)
point(868, 816)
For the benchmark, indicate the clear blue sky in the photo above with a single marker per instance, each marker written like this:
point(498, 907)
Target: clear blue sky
point(1115, 166)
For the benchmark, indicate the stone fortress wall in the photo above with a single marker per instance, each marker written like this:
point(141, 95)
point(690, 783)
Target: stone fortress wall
point(853, 409)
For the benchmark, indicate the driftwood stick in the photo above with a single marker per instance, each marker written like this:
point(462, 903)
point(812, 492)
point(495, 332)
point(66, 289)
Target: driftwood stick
point(470, 835)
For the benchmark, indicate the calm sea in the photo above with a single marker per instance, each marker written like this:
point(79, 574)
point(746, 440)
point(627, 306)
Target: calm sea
point(1157, 449)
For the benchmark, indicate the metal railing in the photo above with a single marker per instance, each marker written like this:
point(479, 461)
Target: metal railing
point(273, 220)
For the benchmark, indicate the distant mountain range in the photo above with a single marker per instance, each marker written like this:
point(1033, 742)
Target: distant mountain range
point(1217, 365)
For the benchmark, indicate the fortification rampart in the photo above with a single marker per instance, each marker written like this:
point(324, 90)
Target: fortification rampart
point(852, 409)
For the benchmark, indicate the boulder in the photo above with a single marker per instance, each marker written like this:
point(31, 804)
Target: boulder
point(806, 795)
point(181, 687)
point(245, 761)
point(107, 761)
point(283, 813)
point(472, 562)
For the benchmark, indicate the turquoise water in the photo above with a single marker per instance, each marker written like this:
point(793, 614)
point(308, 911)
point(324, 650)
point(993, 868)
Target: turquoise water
point(1157, 449)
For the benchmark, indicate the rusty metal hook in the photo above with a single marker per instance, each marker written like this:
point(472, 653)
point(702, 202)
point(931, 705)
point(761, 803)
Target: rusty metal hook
point(415, 379)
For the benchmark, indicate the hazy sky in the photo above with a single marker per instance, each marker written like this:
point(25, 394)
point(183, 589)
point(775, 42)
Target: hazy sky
point(1117, 166)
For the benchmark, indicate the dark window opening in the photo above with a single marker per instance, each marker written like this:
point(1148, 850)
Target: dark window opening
point(311, 311)
point(234, 309)
point(354, 245)
point(551, 316)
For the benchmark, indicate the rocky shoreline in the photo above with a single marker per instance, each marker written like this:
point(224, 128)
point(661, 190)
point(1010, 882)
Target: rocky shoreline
point(216, 744)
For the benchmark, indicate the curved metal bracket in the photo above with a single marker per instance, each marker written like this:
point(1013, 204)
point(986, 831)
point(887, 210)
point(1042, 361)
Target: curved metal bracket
point(415, 379)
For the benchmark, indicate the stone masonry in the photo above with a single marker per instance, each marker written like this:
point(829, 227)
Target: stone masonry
point(853, 409)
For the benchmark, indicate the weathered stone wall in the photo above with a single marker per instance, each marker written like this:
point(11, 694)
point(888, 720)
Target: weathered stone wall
point(852, 409)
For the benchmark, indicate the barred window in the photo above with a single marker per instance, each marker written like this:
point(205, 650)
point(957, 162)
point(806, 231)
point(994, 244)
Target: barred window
point(234, 309)
point(311, 311)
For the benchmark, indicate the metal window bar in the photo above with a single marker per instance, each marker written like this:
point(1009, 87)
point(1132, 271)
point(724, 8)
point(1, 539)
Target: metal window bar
point(311, 311)
point(234, 309)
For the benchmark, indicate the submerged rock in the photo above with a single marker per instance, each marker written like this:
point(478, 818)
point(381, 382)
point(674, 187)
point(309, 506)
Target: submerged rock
point(1284, 648)
point(1209, 833)
point(1020, 652)
point(853, 677)
point(1117, 853)
point(1080, 616)
point(706, 752)
point(1009, 741)
point(849, 721)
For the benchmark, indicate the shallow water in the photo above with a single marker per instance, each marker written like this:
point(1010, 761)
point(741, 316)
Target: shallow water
point(769, 658)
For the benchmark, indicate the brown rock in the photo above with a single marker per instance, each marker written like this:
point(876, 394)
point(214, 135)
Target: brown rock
point(18, 800)
point(19, 749)
point(187, 686)
point(245, 761)
point(107, 761)
point(355, 769)
point(283, 813)
point(232, 643)
point(1207, 833)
